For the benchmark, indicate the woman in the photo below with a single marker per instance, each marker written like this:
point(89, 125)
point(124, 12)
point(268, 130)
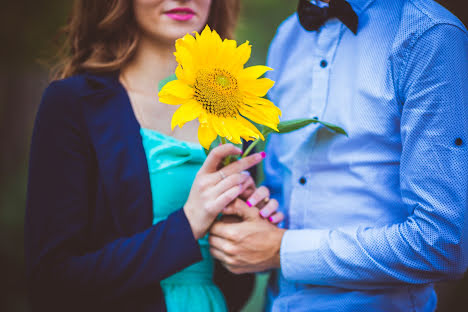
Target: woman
point(116, 200)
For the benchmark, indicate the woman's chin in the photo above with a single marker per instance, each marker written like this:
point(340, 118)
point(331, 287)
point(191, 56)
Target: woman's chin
point(176, 29)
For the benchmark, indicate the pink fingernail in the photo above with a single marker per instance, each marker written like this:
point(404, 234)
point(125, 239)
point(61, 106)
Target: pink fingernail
point(249, 204)
point(270, 219)
point(263, 214)
point(263, 154)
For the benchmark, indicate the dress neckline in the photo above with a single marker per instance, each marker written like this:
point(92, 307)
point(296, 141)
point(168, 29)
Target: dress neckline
point(116, 77)
point(171, 138)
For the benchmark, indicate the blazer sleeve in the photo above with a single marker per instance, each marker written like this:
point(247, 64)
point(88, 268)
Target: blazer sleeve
point(58, 217)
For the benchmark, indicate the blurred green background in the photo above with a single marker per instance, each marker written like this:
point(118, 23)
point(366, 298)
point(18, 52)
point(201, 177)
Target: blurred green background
point(27, 31)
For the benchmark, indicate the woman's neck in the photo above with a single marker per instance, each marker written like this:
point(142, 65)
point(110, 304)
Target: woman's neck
point(151, 63)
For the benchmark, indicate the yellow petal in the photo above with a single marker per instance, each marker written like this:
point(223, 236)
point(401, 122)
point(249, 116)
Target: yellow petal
point(234, 131)
point(253, 72)
point(225, 53)
point(207, 44)
point(261, 104)
point(258, 87)
point(219, 126)
point(258, 117)
point(177, 88)
point(185, 113)
point(172, 100)
point(244, 51)
point(216, 39)
point(187, 53)
point(188, 41)
point(254, 132)
point(269, 113)
point(185, 76)
point(206, 135)
point(186, 58)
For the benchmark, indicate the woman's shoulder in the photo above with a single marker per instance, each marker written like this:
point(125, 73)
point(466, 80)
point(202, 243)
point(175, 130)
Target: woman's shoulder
point(64, 90)
point(72, 92)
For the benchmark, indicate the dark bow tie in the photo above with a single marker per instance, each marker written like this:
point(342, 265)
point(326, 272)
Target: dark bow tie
point(312, 16)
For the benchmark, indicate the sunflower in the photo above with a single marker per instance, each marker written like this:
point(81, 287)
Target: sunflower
point(213, 86)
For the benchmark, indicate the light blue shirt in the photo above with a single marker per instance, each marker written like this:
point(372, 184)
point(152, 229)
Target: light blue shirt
point(375, 218)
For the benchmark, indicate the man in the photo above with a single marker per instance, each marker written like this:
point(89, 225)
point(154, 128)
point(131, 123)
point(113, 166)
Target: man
point(373, 219)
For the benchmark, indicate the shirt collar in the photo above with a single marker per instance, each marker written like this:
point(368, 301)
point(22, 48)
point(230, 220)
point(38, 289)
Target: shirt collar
point(358, 5)
point(318, 3)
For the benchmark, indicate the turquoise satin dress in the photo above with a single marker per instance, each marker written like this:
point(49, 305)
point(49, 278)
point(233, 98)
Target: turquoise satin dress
point(173, 165)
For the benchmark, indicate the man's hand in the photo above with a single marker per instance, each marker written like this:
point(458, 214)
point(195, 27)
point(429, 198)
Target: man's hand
point(252, 245)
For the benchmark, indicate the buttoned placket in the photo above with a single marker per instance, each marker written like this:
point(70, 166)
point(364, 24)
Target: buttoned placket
point(321, 64)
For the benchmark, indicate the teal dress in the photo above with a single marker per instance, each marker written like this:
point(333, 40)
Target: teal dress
point(173, 165)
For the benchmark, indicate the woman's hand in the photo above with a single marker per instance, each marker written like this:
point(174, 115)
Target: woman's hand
point(214, 189)
point(259, 198)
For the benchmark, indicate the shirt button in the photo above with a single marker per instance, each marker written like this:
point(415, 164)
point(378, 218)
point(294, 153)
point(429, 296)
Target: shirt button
point(323, 64)
point(302, 180)
point(458, 142)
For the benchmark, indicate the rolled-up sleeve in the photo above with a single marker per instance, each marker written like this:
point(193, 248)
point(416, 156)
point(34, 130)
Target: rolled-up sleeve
point(431, 243)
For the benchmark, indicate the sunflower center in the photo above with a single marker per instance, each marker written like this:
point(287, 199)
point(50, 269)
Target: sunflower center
point(217, 91)
point(223, 81)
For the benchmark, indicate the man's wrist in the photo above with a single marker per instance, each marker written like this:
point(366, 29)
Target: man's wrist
point(278, 238)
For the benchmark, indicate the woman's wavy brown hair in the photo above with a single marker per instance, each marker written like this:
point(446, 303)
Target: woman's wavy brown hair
point(102, 35)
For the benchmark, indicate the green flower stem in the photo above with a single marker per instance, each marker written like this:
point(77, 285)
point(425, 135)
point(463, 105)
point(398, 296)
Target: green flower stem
point(250, 148)
point(228, 159)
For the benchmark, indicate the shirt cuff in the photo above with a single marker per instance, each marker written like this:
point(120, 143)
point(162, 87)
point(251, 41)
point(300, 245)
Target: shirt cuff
point(299, 253)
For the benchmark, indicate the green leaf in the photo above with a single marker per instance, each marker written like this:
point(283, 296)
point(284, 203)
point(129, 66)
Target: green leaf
point(163, 82)
point(296, 124)
point(334, 128)
point(293, 125)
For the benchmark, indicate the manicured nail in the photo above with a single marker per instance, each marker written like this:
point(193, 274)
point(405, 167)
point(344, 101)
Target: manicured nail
point(245, 172)
point(271, 219)
point(249, 204)
point(263, 214)
point(263, 154)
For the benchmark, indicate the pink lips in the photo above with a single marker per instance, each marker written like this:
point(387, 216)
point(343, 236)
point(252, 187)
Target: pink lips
point(180, 14)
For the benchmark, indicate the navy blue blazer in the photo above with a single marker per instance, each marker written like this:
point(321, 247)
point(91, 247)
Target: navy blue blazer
point(89, 239)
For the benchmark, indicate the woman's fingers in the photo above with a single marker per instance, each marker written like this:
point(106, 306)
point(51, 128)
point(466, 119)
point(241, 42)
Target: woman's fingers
point(249, 188)
point(239, 208)
point(229, 182)
point(243, 164)
point(228, 196)
point(259, 195)
point(276, 218)
point(269, 209)
point(216, 156)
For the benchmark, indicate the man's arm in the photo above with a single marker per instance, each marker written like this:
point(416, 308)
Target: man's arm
point(431, 243)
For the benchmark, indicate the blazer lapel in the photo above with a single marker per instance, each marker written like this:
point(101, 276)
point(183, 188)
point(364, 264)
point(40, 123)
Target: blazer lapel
point(121, 158)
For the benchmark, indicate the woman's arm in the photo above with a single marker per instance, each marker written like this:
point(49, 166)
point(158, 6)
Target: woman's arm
point(58, 216)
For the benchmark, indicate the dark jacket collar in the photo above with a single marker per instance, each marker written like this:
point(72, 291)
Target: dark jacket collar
point(120, 154)
point(101, 83)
